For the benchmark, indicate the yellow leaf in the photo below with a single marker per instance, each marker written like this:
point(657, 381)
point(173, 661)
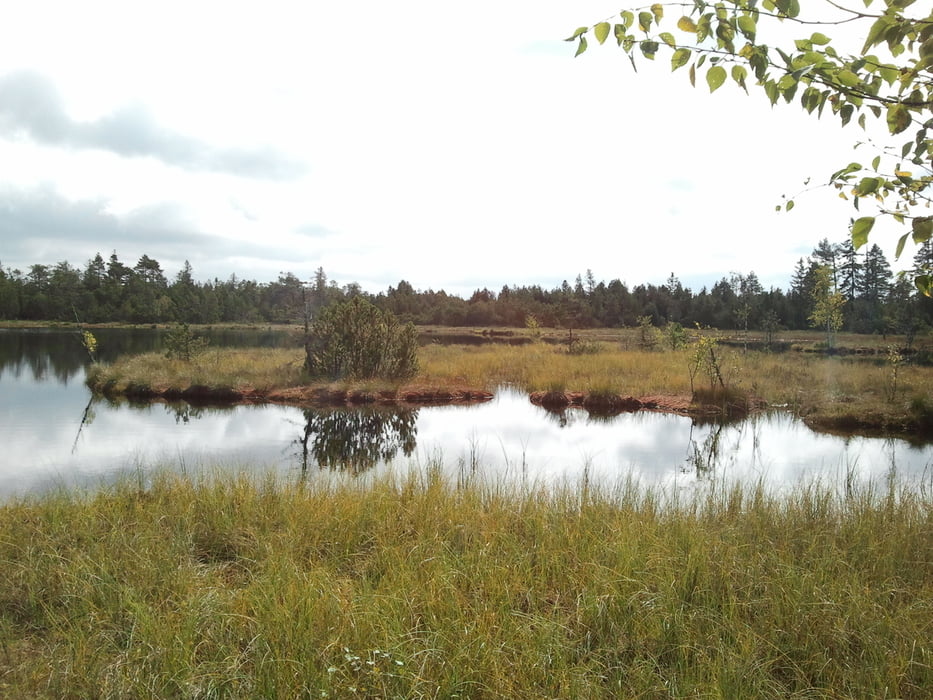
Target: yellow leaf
point(685, 24)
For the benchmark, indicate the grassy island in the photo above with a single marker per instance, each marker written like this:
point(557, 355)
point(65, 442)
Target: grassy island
point(863, 384)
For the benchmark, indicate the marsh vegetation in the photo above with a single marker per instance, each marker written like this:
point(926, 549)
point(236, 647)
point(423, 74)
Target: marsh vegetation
point(410, 586)
point(864, 383)
point(435, 582)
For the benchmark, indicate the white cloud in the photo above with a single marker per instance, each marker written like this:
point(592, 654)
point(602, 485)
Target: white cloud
point(455, 147)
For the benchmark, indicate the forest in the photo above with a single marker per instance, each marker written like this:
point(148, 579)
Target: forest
point(872, 299)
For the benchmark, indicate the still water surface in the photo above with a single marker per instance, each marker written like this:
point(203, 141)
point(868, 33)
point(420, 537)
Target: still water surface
point(52, 433)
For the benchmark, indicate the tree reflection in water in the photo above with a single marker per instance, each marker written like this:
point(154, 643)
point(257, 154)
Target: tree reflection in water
point(184, 412)
point(704, 456)
point(356, 439)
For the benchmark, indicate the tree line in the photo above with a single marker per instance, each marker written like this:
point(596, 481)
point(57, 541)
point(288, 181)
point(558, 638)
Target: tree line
point(872, 298)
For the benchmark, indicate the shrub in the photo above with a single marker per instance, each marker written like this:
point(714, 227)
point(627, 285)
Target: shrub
point(676, 335)
point(182, 344)
point(648, 335)
point(357, 340)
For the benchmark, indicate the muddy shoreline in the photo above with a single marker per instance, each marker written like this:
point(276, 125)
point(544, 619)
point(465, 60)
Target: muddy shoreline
point(304, 396)
point(328, 397)
point(869, 424)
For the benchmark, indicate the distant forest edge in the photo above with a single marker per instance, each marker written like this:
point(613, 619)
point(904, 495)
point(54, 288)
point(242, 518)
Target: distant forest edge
point(875, 300)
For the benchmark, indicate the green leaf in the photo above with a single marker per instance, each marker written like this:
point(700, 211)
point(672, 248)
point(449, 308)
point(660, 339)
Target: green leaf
point(789, 205)
point(810, 99)
point(580, 32)
point(847, 78)
point(628, 18)
point(657, 9)
point(693, 75)
point(680, 58)
point(819, 39)
point(771, 91)
point(601, 31)
point(860, 230)
point(619, 31)
point(867, 185)
point(786, 82)
point(704, 27)
point(648, 49)
point(739, 73)
point(877, 32)
point(900, 246)
point(922, 229)
point(747, 27)
point(644, 21)
point(668, 39)
point(850, 168)
point(715, 77)
point(924, 284)
point(581, 47)
point(685, 24)
point(726, 33)
point(898, 118)
point(889, 73)
point(845, 113)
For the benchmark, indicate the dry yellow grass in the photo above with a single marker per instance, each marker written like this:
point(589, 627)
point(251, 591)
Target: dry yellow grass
point(548, 367)
point(857, 390)
point(261, 368)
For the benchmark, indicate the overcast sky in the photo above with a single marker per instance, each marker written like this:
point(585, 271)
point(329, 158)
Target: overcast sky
point(452, 145)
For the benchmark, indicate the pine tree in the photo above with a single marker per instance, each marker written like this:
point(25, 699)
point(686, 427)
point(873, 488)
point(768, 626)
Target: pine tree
point(801, 292)
point(826, 255)
point(850, 270)
point(877, 276)
point(876, 284)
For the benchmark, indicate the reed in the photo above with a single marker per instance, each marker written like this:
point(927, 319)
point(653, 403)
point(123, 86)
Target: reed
point(408, 586)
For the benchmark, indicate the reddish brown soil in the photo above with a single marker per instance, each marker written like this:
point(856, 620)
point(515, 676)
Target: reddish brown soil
point(309, 396)
point(325, 396)
point(315, 395)
point(562, 399)
point(662, 403)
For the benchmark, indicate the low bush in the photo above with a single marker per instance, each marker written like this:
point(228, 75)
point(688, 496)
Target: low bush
point(358, 340)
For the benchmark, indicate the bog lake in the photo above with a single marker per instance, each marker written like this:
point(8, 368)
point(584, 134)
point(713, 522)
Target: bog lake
point(55, 434)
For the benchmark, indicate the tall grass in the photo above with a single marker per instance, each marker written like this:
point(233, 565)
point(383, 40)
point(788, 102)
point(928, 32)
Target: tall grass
point(791, 377)
point(547, 367)
point(410, 587)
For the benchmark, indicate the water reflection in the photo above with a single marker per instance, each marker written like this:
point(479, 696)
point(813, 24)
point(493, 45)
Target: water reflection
point(53, 434)
point(41, 356)
point(703, 452)
point(185, 412)
point(49, 353)
point(357, 439)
